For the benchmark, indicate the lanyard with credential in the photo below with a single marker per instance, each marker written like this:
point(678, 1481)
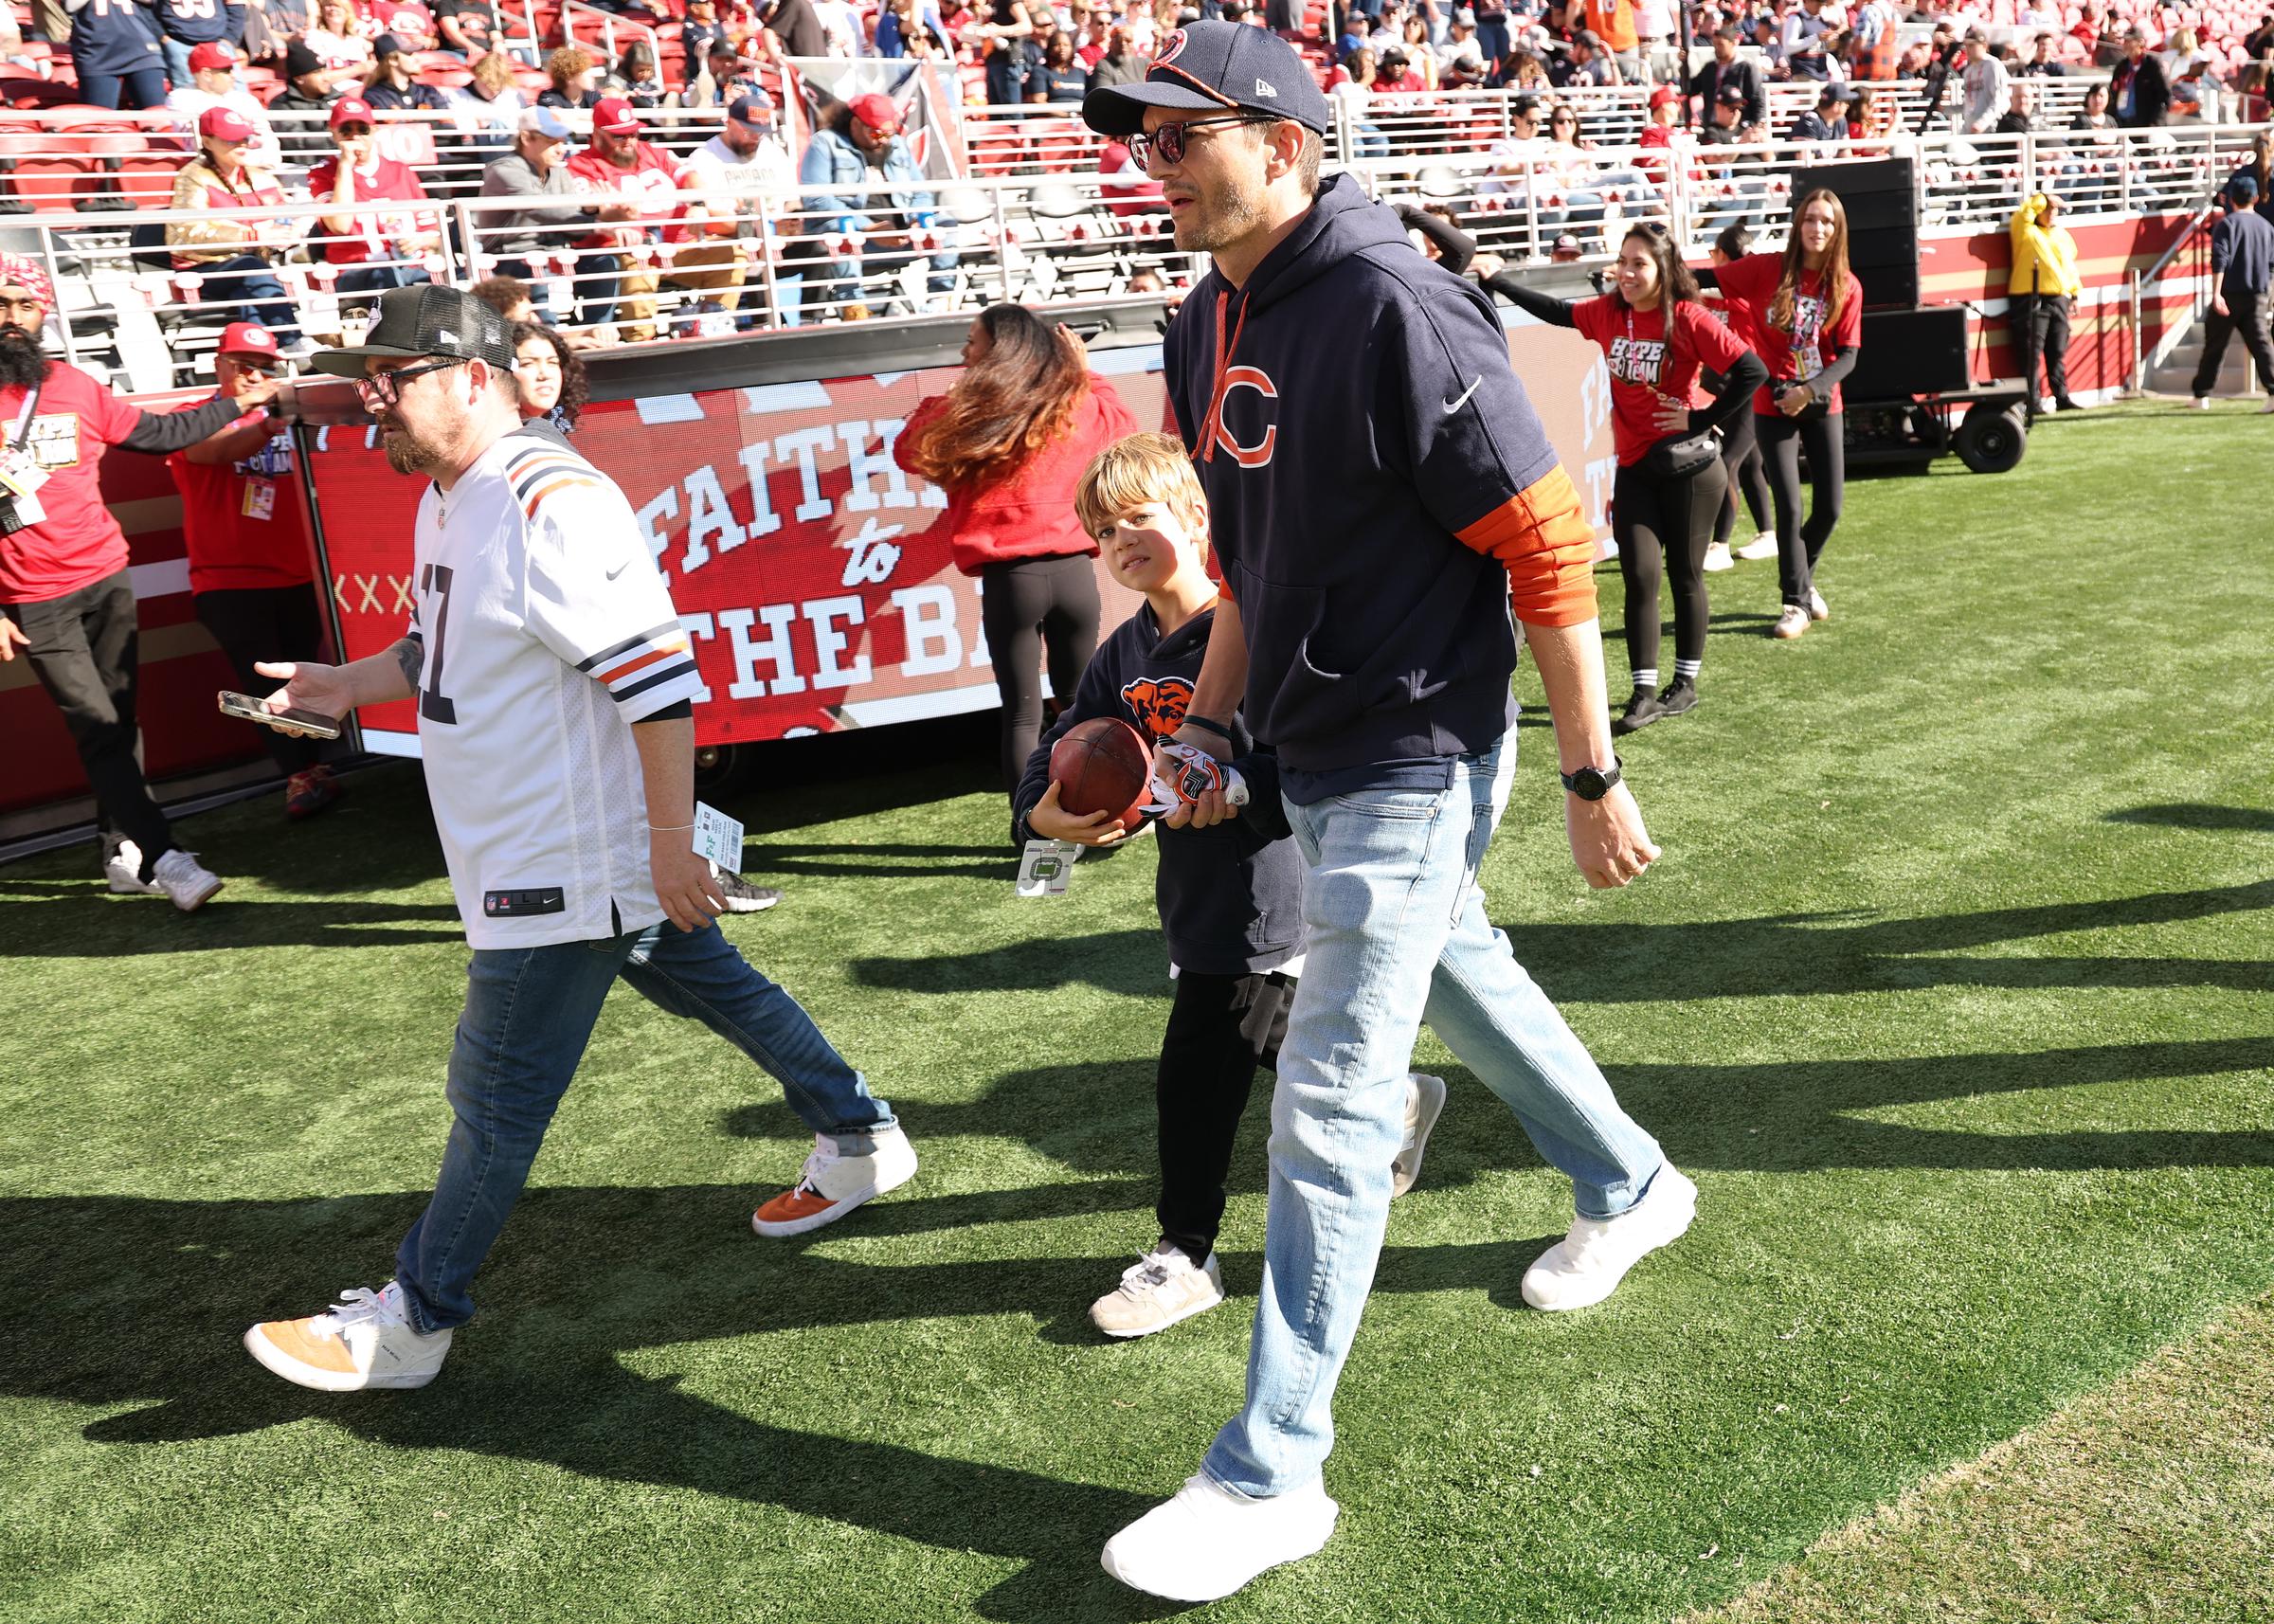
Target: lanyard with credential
point(18, 436)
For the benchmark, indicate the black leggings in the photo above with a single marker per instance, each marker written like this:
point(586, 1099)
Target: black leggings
point(1030, 608)
point(1741, 463)
point(1221, 1029)
point(267, 623)
point(1651, 517)
point(1799, 545)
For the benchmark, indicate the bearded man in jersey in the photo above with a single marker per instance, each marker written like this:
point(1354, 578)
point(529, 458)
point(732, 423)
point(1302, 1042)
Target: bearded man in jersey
point(555, 693)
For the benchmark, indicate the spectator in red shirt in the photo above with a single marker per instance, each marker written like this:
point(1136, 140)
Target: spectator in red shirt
point(1007, 443)
point(410, 23)
point(66, 602)
point(619, 161)
point(249, 580)
point(372, 250)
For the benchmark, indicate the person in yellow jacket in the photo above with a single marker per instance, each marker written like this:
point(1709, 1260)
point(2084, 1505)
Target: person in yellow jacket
point(2040, 293)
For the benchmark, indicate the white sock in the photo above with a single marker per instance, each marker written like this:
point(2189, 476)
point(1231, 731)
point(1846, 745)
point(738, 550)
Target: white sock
point(1647, 677)
point(1686, 669)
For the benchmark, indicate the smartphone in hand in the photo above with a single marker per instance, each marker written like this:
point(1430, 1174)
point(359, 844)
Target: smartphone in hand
point(247, 708)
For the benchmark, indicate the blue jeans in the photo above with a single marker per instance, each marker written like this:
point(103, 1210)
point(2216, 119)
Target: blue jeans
point(252, 280)
point(1397, 935)
point(378, 278)
point(528, 1014)
point(143, 88)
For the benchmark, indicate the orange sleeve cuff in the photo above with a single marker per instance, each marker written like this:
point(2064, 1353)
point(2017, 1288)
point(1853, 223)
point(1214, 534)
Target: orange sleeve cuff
point(1547, 546)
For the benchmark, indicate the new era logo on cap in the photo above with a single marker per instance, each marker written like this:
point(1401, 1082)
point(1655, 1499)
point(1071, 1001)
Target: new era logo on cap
point(1263, 89)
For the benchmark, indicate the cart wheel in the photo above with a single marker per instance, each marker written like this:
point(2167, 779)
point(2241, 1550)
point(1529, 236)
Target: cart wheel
point(1992, 439)
point(714, 767)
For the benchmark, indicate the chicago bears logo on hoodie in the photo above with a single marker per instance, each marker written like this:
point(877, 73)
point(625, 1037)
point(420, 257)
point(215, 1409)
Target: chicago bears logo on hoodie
point(1157, 703)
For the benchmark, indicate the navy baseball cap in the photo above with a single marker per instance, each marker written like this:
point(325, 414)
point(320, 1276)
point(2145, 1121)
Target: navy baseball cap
point(1214, 68)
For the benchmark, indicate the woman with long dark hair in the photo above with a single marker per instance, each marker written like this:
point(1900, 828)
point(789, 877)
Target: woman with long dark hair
point(1809, 321)
point(1656, 337)
point(1740, 446)
point(547, 375)
point(1006, 443)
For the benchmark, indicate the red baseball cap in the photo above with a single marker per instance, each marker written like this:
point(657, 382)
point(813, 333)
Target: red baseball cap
point(613, 115)
point(877, 112)
point(212, 55)
point(1663, 94)
point(225, 124)
point(248, 338)
point(351, 110)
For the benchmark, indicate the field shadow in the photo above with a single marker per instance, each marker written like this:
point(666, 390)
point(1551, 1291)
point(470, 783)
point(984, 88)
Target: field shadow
point(775, 859)
point(1134, 963)
point(2191, 815)
point(79, 919)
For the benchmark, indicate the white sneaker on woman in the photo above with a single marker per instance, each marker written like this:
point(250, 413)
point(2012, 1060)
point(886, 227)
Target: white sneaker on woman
point(1155, 1292)
point(1717, 557)
point(1208, 1542)
point(1762, 546)
point(1793, 622)
point(1588, 1263)
point(187, 883)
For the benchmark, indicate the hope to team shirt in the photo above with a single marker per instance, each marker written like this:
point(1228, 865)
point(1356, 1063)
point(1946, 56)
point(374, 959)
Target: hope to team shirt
point(544, 631)
point(77, 543)
point(374, 234)
point(1801, 352)
point(241, 519)
point(1647, 371)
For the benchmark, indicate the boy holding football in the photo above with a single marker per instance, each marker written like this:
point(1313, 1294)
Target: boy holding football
point(1229, 896)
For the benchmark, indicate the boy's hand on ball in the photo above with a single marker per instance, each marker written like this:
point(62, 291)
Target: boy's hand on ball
point(1050, 822)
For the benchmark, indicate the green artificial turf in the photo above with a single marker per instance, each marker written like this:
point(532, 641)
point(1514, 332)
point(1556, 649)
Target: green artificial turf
point(1951, 990)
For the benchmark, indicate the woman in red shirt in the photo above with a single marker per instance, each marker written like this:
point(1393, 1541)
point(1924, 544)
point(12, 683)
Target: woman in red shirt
point(1006, 443)
point(1809, 315)
point(1655, 338)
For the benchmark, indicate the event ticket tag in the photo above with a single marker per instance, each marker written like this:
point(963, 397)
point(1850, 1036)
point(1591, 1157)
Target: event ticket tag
point(1046, 866)
point(259, 498)
point(718, 837)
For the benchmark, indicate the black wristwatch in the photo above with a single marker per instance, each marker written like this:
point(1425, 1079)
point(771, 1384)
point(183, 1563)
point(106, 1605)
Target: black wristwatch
point(1593, 783)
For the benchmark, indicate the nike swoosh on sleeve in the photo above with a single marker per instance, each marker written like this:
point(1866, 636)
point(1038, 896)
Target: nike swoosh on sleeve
point(1455, 404)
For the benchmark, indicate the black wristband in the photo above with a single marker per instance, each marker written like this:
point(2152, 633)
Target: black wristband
point(1206, 726)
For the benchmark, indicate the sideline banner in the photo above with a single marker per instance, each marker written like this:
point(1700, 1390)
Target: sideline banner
point(811, 573)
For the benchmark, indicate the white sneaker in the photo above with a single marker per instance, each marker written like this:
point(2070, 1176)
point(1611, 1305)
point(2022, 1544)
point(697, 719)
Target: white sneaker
point(1790, 622)
point(1421, 1109)
point(1760, 547)
point(1208, 1542)
point(2202, 403)
point(1818, 608)
point(2268, 406)
point(123, 868)
point(1587, 1264)
point(187, 882)
point(835, 1181)
point(1717, 557)
point(366, 1339)
point(1155, 1292)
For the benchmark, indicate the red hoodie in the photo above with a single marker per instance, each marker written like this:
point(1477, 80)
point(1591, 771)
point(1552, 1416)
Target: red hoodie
point(1029, 514)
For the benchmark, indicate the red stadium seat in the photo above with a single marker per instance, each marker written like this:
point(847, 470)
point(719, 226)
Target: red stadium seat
point(146, 178)
point(54, 184)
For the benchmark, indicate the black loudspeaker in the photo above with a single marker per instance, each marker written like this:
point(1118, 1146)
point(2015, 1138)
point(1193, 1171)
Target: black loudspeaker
point(1882, 201)
point(1910, 352)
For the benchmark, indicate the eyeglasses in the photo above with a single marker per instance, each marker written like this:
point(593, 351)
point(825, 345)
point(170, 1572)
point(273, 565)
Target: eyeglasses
point(383, 389)
point(1563, 118)
point(353, 130)
point(1168, 142)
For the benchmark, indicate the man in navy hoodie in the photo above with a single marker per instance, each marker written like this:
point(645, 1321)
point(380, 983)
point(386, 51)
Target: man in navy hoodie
point(1382, 497)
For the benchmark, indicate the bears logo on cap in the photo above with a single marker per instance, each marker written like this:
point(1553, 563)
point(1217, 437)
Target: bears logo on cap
point(1169, 49)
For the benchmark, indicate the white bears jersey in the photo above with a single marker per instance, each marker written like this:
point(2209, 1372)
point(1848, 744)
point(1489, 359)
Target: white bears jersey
point(546, 632)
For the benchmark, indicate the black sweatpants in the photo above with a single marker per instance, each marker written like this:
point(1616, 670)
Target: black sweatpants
point(1653, 517)
point(1800, 545)
point(83, 651)
point(2039, 323)
point(1741, 466)
point(2246, 314)
point(267, 623)
point(1033, 608)
point(1220, 1028)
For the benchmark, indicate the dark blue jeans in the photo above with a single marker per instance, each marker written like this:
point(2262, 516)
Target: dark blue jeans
point(144, 87)
point(252, 281)
point(528, 1014)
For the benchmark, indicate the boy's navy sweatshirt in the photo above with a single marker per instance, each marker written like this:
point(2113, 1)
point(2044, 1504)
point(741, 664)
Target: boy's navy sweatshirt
point(1231, 897)
point(1381, 495)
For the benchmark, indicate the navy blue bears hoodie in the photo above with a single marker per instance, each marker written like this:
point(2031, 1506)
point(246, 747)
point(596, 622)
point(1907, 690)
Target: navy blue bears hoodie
point(1231, 897)
point(1381, 495)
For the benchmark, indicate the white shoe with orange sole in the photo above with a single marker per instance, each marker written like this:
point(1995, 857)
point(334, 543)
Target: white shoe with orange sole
point(837, 1180)
point(364, 1340)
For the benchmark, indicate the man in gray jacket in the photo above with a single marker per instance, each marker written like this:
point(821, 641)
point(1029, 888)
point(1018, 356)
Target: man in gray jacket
point(547, 219)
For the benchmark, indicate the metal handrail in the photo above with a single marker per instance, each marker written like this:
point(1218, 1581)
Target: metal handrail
point(2154, 274)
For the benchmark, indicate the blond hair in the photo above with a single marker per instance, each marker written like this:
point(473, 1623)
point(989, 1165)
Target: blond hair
point(1138, 471)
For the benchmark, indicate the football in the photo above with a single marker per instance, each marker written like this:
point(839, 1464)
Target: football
point(1102, 765)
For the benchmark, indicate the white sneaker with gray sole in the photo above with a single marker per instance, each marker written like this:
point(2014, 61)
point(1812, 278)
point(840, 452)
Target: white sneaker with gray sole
point(1208, 1542)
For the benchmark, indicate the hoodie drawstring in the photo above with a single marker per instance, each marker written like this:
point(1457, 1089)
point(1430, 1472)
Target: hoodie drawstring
point(1214, 420)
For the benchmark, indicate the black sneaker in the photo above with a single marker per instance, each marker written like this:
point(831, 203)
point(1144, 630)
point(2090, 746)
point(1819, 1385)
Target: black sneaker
point(742, 896)
point(1643, 709)
point(1680, 695)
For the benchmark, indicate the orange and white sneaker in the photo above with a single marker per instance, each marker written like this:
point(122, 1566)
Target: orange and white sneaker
point(835, 1181)
point(364, 1340)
